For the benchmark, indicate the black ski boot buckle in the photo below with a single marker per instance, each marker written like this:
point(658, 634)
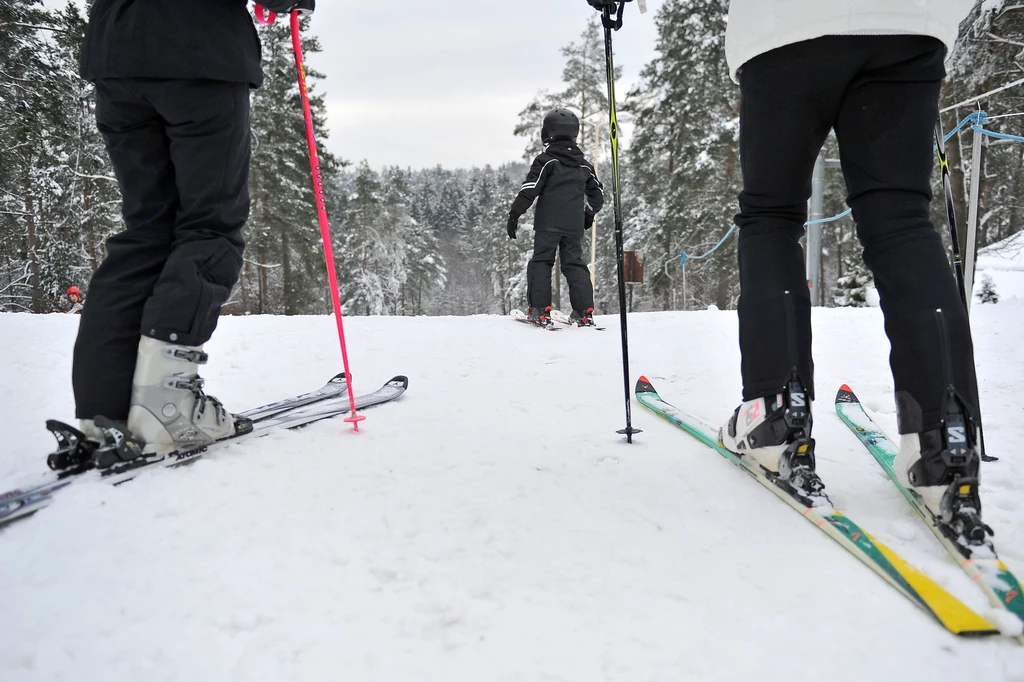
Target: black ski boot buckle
point(119, 446)
point(243, 425)
point(961, 511)
point(796, 469)
point(799, 456)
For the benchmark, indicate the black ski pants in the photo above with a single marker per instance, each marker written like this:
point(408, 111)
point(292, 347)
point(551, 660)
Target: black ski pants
point(180, 152)
point(880, 94)
point(577, 274)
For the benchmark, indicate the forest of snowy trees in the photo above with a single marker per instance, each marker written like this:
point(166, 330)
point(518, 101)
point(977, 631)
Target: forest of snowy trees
point(432, 241)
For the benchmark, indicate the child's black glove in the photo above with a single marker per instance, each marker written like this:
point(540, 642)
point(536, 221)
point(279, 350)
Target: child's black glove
point(513, 225)
point(601, 4)
point(588, 220)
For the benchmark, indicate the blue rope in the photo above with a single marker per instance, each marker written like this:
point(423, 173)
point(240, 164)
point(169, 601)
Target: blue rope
point(976, 117)
point(998, 136)
point(683, 256)
point(829, 220)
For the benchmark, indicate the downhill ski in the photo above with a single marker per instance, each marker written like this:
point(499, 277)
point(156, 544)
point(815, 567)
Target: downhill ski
point(950, 612)
point(979, 561)
point(324, 403)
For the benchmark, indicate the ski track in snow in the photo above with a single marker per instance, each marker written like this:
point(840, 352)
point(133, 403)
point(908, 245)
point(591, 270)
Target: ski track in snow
point(490, 525)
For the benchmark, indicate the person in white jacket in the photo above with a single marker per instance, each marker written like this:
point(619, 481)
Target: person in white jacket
point(871, 70)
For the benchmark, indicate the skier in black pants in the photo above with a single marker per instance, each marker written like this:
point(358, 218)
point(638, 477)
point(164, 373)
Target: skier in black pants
point(873, 75)
point(568, 196)
point(172, 102)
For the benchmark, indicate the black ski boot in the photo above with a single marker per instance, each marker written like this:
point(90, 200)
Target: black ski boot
point(582, 318)
point(540, 315)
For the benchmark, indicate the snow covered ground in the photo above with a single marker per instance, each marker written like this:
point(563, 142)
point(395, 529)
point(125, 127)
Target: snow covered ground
point(490, 525)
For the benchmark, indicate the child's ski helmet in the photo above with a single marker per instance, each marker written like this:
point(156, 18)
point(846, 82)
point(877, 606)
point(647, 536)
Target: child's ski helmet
point(559, 124)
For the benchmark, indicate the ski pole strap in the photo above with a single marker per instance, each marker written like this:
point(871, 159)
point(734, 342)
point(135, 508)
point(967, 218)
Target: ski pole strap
point(613, 22)
point(263, 15)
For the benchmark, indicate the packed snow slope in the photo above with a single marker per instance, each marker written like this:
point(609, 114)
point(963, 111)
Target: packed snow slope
point(490, 525)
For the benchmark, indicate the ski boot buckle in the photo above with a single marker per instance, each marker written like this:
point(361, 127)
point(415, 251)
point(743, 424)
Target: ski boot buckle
point(119, 447)
point(961, 510)
point(796, 468)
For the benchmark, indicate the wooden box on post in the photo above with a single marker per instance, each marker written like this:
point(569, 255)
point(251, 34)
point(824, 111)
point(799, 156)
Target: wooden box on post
point(633, 267)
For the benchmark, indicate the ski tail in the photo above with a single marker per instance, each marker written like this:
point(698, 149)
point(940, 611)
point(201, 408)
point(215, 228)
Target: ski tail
point(950, 612)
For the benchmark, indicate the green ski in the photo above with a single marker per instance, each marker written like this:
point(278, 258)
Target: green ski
point(949, 611)
point(979, 562)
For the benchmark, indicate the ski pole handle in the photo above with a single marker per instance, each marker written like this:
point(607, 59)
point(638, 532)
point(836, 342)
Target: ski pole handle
point(263, 15)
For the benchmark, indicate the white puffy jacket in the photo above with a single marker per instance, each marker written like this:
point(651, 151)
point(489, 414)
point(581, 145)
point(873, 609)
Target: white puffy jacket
point(757, 26)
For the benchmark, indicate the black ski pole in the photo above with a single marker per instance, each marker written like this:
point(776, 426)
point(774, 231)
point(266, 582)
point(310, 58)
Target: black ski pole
point(614, 23)
point(958, 264)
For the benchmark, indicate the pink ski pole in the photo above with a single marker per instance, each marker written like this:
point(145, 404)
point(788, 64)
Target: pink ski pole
point(265, 17)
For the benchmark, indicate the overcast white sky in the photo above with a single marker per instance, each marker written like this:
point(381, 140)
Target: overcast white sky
point(418, 83)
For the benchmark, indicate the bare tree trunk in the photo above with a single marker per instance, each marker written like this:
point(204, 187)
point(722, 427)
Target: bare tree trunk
point(507, 302)
point(286, 275)
point(839, 250)
point(262, 280)
point(90, 224)
point(957, 182)
point(1017, 198)
point(558, 280)
point(722, 293)
point(244, 284)
point(33, 259)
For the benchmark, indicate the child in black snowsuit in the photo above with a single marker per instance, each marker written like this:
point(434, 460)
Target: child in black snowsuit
point(568, 196)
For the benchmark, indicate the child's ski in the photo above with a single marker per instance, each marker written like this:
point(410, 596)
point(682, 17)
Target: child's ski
point(559, 316)
point(520, 316)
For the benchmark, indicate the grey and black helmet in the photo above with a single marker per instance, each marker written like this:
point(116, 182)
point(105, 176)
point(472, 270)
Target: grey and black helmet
point(559, 124)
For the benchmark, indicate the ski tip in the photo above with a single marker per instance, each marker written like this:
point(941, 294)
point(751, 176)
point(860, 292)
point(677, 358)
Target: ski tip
point(339, 378)
point(400, 380)
point(846, 395)
point(644, 386)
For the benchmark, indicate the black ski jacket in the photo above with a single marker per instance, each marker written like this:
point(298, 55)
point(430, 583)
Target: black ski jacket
point(180, 39)
point(565, 186)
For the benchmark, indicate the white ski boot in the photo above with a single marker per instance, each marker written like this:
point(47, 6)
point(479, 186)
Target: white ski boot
point(775, 432)
point(168, 407)
point(757, 429)
point(943, 466)
point(764, 428)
